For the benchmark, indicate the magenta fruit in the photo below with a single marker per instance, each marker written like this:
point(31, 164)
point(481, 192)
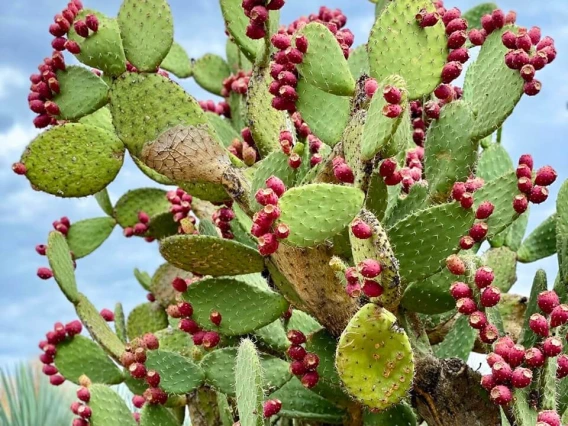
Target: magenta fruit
point(311, 361)
point(179, 284)
point(509, 39)
point(478, 320)
point(501, 371)
point(271, 408)
point(562, 369)
point(459, 290)
point(310, 379)
point(343, 173)
point(392, 94)
point(392, 110)
point(92, 22)
point(188, 325)
point(150, 341)
point(44, 273)
point(478, 231)
point(211, 339)
point(215, 317)
point(545, 176)
point(81, 28)
point(371, 87)
point(466, 306)
point(185, 309)
point(539, 194)
point(467, 200)
point(72, 47)
point(521, 377)
point(294, 161)
point(369, 268)
point(501, 395)
point(73, 328)
point(549, 417)
point(455, 265)
point(372, 288)
point(458, 190)
point(484, 210)
point(155, 396)
point(539, 325)
point(296, 352)
point(547, 301)
point(490, 297)
point(477, 37)
point(492, 358)
point(520, 203)
point(559, 316)
point(107, 315)
point(296, 337)
point(301, 43)
point(525, 185)
point(361, 230)
point(489, 334)
point(552, 346)
point(265, 196)
point(455, 41)
point(527, 160)
point(276, 185)
point(83, 394)
point(532, 88)
point(488, 382)
point(534, 357)
point(466, 242)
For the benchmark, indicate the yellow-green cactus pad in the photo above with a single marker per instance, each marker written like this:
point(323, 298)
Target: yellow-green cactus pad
point(108, 407)
point(515, 233)
point(422, 241)
point(236, 23)
point(244, 305)
point(178, 374)
point(100, 118)
point(503, 261)
point(248, 384)
point(61, 264)
point(152, 201)
point(161, 283)
point(146, 318)
point(359, 61)
point(103, 200)
point(206, 191)
point(73, 160)
point(120, 323)
point(399, 415)
point(324, 65)
point(98, 327)
point(210, 71)
point(219, 367)
point(491, 88)
point(143, 106)
point(459, 342)
point(473, 15)
point(416, 199)
point(143, 278)
point(276, 164)
point(377, 196)
point(494, 162)
point(374, 358)
point(81, 93)
point(79, 355)
point(317, 212)
point(317, 106)
point(207, 255)
point(177, 62)
point(162, 225)
point(102, 50)
point(147, 31)
point(397, 45)
point(431, 295)
point(87, 235)
point(157, 415)
point(540, 243)
point(174, 340)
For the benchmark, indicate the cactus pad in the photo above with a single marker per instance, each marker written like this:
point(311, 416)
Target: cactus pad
point(397, 45)
point(87, 235)
point(377, 196)
point(303, 322)
point(562, 233)
point(273, 335)
point(374, 349)
point(248, 384)
point(151, 173)
point(81, 93)
point(146, 318)
point(207, 255)
point(100, 118)
point(458, 343)
point(152, 201)
point(80, 355)
point(494, 162)
point(416, 199)
point(222, 126)
point(324, 65)
point(61, 264)
point(102, 50)
point(147, 31)
point(540, 243)
point(161, 283)
point(177, 62)
point(236, 23)
point(174, 340)
point(430, 295)
point(209, 71)
point(120, 323)
point(318, 211)
point(103, 200)
point(399, 415)
point(503, 261)
point(143, 278)
point(73, 160)
point(473, 15)
point(275, 164)
point(157, 415)
point(178, 374)
point(243, 305)
point(108, 407)
point(359, 61)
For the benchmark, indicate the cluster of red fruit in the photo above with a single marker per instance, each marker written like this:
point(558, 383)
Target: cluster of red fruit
point(222, 219)
point(140, 228)
point(271, 407)
point(408, 175)
point(391, 94)
point(304, 364)
point(62, 225)
point(489, 23)
point(533, 190)
point(368, 271)
point(237, 83)
point(180, 205)
point(463, 192)
point(257, 11)
point(245, 150)
point(80, 408)
point(59, 333)
point(341, 170)
point(286, 140)
point(263, 221)
point(222, 108)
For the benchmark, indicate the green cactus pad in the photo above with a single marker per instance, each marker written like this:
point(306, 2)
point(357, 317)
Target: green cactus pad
point(359, 61)
point(265, 122)
point(139, 122)
point(316, 106)
point(79, 355)
point(219, 367)
point(120, 323)
point(98, 327)
point(450, 153)
point(402, 138)
point(102, 50)
point(516, 232)
point(103, 200)
point(562, 234)
point(377, 196)
point(222, 126)
point(244, 306)
point(273, 335)
point(151, 173)
point(540, 243)
point(147, 31)
point(374, 358)
point(423, 240)
point(236, 23)
point(157, 415)
point(317, 212)
point(431, 295)
point(100, 118)
point(473, 15)
point(235, 58)
point(207, 255)
point(206, 191)
point(491, 88)
point(303, 322)
point(399, 415)
point(174, 340)
point(152, 201)
point(416, 199)
point(161, 283)
point(108, 407)
point(178, 374)
point(209, 71)
point(206, 227)
point(528, 338)
point(276, 164)
point(162, 225)
point(248, 384)
point(82, 93)
point(143, 278)
point(73, 160)
point(503, 261)
point(459, 342)
point(177, 62)
point(494, 162)
point(87, 235)
point(324, 65)
point(299, 402)
point(61, 264)
point(146, 318)
point(397, 45)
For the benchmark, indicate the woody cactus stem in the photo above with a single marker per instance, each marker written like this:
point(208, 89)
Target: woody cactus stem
point(321, 249)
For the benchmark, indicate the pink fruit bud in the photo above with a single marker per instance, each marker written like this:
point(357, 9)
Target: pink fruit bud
point(426, 19)
point(188, 325)
point(493, 358)
point(467, 200)
point(455, 265)
point(155, 396)
point(266, 196)
point(296, 352)
point(516, 355)
point(49, 370)
point(179, 284)
point(137, 370)
point(562, 369)
point(487, 23)
point(81, 28)
point(369, 268)
point(19, 169)
point(276, 185)
point(539, 325)
point(501, 371)
point(534, 357)
point(343, 173)
point(478, 231)
point(392, 94)
point(484, 210)
point(488, 382)
point(456, 41)
point(73, 328)
point(311, 361)
point(372, 288)
point(545, 176)
point(83, 394)
point(547, 301)
point(490, 296)
point(501, 395)
point(451, 14)
point(489, 334)
point(509, 39)
point(477, 37)
point(549, 417)
point(185, 309)
point(211, 339)
point(296, 337)
point(478, 320)
point(458, 24)
point(151, 341)
point(532, 88)
point(72, 47)
point(301, 43)
point(388, 167)
point(297, 368)
point(361, 230)
point(393, 179)
point(280, 41)
point(92, 22)
point(294, 55)
point(451, 71)
point(559, 316)
point(523, 42)
point(466, 242)
point(459, 290)
point(44, 273)
point(539, 60)
point(255, 30)
point(138, 401)
point(458, 191)
point(520, 203)
point(215, 317)
point(310, 379)
point(498, 18)
point(52, 108)
point(521, 377)
point(294, 161)
point(432, 110)
point(271, 407)
point(525, 185)
point(539, 194)
point(392, 110)
point(282, 231)
point(552, 346)
point(63, 23)
point(466, 306)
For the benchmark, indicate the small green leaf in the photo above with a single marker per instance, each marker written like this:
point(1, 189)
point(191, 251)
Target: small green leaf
point(210, 71)
point(540, 243)
point(177, 62)
point(61, 264)
point(146, 318)
point(87, 235)
point(104, 202)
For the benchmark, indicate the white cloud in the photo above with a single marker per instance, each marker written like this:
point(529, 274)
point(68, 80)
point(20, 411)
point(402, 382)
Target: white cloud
point(14, 139)
point(10, 79)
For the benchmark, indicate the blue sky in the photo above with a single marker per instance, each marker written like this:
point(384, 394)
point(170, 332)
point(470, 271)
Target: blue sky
point(30, 306)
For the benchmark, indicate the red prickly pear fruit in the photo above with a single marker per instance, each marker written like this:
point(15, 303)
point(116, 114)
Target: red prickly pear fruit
point(501, 371)
point(107, 315)
point(288, 78)
point(551, 347)
point(455, 41)
point(392, 94)
point(128, 232)
point(198, 337)
point(92, 22)
point(155, 396)
point(301, 43)
point(143, 217)
point(56, 31)
point(524, 171)
point(539, 194)
point(215, 317)
point(532, 88)
point(271, 408)
point(267, 244)
point(509, 40)
point(81, 28)
point(68, 14)
point(426, 19)
point(52, 108)
point(550, 53)
point(271, 211)
point(489, 334)
point(488, 382)
point(140, 355)
point(527, 160)
point(523, 42)
point(138, 401)
point(179, 284)
point(372, 288)
point(83, 394)
point(549, 417)
point(521, 377)
point(46, 358)
point(520, 203)
point(369, 268)
point(525, 185)
point(288, 92)
point(294, 55)
point(49, 369)
point(296, 337)
point(282, 231)
point(63, 23)
point(478, 320)
point(387, 167)
point(57, 380)
point(59, 43)
point(151, 341)
point(477, 37)
point(280, 41)
point(188, 325)
point(501, 395)
point(185, 309)
point(466, 306)
point(127, 359)
point(484, 210)
point(393, 179)
point(459, 290)
point(255, 31)
point(20, 169)
point(487, 23)
point(503, 347)
point(498, 17)
point(54, 87)
point(275, 4)
point(259, 14)
point(247, 135)
point(211, 339)
point(37, 106)
point(467, 200)
point(294, 161)
point(173, 311)
point(562, 369)
point(361, 230)
point(545, 176)
point(310, 379)
point(311, 361)
point(351, 275)
point(50, 350)
point(44, 273)
point(392, 110)
point(296, 352)
point(466, 242)
point(418, 136)
point(297, 368)
point(73, 47)
point(490, 296)
point(444, 91)
point(432, 110)
point(545, 42)
point(266, 196)
point(539, 325)
point(458, 24)
point(75, 407)
point(478, 231)
point(455, 265)
point(371, 87)
point(353, 290)
point(73, 328)
point(547, 301)
point(451, 14)
point(343, 173)
point(492, 358)
point(516, 355)
point(559, 316)
point(458, 191)
point(528, 72)
point(539, 60)
point(534, 358)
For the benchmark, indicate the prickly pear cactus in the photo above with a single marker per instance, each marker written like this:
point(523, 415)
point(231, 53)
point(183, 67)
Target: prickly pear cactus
point(324, 257)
